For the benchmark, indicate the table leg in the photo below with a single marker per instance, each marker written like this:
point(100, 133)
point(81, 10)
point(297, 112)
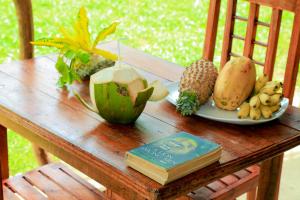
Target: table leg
point(41, 155)
point(269, 179)
point(1, 188)
point(111, 195)
point(4, 152)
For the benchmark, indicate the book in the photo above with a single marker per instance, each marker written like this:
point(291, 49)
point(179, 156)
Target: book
point(173, 157)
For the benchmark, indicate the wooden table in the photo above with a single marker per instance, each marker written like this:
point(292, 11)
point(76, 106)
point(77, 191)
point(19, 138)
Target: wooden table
point(33, 106)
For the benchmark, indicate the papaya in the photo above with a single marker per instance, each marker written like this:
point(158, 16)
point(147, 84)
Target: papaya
point(235, 83)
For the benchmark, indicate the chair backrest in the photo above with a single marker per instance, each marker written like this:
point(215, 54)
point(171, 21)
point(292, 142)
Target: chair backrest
point(278, 6)
point(25, 21)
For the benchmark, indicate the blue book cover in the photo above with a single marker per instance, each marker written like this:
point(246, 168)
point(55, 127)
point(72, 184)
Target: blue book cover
point(174, 150)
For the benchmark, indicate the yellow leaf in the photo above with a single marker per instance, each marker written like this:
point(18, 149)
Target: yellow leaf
point(83, 24)
point(105, 54)
point(50, 42)
point(66, 34)
point(105, 32)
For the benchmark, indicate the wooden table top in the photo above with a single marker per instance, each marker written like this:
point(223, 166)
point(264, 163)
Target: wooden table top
point(30, 102)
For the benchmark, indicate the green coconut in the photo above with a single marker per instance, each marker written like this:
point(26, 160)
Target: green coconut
point(119, 94)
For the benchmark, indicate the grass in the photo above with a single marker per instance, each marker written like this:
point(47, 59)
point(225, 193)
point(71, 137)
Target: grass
point(172, 31)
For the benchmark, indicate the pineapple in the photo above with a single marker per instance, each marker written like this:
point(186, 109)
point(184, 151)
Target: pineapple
point(196, 86)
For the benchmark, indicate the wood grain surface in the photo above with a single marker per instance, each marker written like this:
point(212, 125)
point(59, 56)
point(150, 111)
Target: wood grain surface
point(32, 105)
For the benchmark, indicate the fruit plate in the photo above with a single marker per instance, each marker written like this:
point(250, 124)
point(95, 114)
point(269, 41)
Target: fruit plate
point(210, 111)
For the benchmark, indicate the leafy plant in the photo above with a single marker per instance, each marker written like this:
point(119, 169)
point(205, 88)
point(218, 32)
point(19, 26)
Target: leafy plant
point(77, 45)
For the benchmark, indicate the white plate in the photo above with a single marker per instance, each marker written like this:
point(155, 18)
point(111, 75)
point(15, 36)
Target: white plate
point(210, 111)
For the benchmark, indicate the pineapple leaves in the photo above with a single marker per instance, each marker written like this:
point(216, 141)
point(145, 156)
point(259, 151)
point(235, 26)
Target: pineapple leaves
point(105, 32)
point(187, 103)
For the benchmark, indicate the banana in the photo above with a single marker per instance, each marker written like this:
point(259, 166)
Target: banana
point(275, 84)
point(260, 83)
point(255, 102)
point(269, 89)
point(279, 91)
point(275, 99)
point(244, 110)
point(266, 111)
point(255, 113)
point(264, 98)
point(275, 108)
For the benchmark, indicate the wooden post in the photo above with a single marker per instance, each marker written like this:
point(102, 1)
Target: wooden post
point(4, 152)
point(269, 179)
point(1, 188)
point(211, 30)
point(273, 42)
point(228, 32)
point(251, 30)
point(41, 155)
point(291, 71)
point(26, 35)
point(25, 21)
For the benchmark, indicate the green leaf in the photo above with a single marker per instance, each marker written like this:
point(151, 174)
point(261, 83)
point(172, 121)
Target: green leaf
point(84, 57)
point(105, 32)
point(70, 54)
point(67, 75)
point(61, 66)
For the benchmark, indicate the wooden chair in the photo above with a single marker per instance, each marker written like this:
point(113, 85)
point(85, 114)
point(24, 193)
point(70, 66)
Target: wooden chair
point(249, 182)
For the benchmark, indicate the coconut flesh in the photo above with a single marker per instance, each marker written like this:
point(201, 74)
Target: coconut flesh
point(119, 94)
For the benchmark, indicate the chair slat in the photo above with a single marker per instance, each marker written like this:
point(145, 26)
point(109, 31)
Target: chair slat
point(291, 71)
point(251, 30)
point(273, 42)
point(229, 28)
point(211, 30)
point(216, 186)
point(260, 43)
point(289, 5)
point(24, 188)
point(8, 194)
point(50, 188)
point(263, 24)
point(61, 178)
point(238, 37)
point(243, 19)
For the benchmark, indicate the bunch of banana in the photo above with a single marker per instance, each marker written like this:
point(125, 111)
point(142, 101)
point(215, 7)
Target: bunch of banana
point(265, 100)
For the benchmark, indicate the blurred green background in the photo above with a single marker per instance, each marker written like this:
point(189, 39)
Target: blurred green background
point(172, 30)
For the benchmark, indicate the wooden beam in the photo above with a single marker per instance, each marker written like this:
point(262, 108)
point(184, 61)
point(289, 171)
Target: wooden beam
point(211, 30)
point(273, 42)
point(251, 30)
point(25, 21)
point(292, 67)
point(228, 32)
point(4, 152)
point(289, 5)
point(269, 179)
